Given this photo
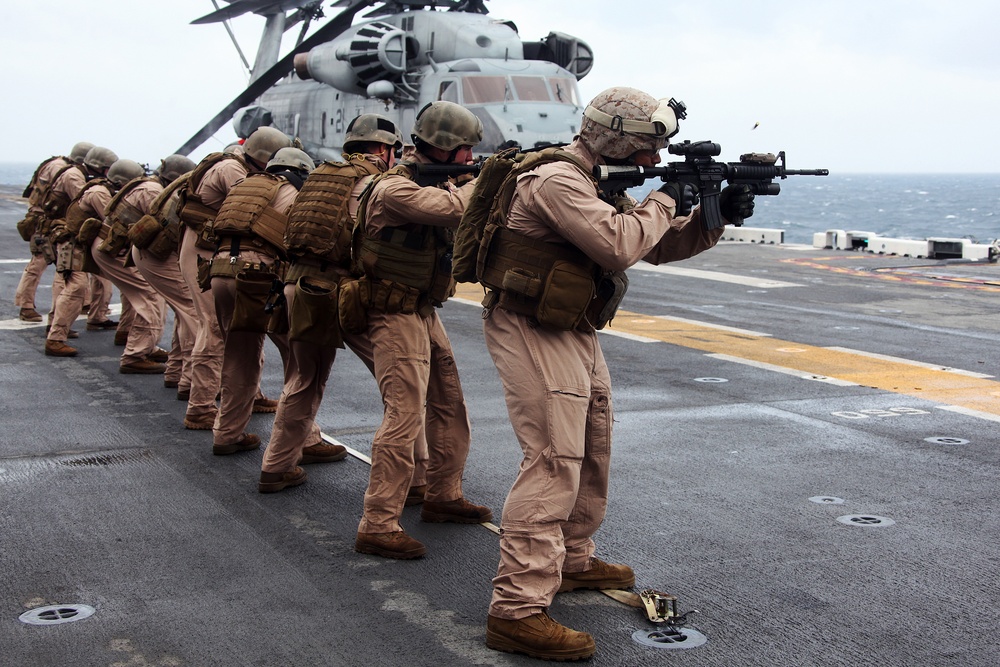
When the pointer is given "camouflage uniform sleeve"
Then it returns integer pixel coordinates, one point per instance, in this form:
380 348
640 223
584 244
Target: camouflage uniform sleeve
95 201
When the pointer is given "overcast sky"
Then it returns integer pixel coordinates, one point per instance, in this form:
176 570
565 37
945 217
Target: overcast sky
876 86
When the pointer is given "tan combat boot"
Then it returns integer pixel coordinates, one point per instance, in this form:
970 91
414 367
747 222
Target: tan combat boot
29 315
459 510
272 482
389 545
264 405
141 367
202 422
322 453
539 637
246 442
599 576
57 348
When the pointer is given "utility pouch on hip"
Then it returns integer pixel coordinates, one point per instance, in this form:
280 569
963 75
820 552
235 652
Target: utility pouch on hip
142 233
206 239
116 242
611 288
27 226
277 319
315 315
566 295
64 256
204 273
41 245
353 300
252 290
166 242
89 231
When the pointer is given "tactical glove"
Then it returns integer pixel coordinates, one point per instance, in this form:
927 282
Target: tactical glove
684 194
736 203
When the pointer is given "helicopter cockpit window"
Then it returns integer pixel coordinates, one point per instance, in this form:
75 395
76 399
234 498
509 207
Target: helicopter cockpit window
530 88
564 90
484 89
448 91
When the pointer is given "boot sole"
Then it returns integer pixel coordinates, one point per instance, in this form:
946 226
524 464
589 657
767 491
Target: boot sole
499 642
195 426
274 487
595 586
224 450
135 371
386 553
323 459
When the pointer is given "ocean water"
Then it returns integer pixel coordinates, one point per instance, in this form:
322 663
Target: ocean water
904 206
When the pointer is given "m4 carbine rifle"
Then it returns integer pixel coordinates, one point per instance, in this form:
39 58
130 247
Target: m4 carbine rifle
432 174
705 176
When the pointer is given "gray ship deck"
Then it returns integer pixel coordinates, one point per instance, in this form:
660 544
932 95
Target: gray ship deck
755 416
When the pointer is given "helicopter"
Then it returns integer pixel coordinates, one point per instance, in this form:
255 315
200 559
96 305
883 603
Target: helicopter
404 55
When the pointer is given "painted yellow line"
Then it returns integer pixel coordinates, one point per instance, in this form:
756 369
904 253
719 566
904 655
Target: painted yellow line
952 388
899 377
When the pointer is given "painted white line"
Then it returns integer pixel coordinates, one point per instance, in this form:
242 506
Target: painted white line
783 369
910 362
969 412
467 302
13 261
350 450
713 275
629 336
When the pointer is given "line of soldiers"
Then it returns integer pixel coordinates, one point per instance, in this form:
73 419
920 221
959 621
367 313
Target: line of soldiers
258 241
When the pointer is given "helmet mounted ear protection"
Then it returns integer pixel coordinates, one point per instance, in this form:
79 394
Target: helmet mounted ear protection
663 122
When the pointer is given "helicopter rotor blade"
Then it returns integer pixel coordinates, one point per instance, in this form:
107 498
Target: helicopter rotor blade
334 27
240 7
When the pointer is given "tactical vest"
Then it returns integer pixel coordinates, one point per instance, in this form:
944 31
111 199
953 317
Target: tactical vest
55 203
33 193
159 232
248 215
319 222
194 213
556 284
119 217
75 215
416 258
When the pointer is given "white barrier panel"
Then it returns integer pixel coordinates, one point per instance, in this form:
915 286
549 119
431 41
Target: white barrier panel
841 239
754 235
903 247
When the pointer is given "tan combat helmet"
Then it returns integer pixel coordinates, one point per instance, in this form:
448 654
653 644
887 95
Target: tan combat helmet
123 171
264 143
371 128
174 166
79 151
100 158
620 121
291 158
447 126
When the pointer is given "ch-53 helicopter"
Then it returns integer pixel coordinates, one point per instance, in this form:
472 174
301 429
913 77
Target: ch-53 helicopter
406 54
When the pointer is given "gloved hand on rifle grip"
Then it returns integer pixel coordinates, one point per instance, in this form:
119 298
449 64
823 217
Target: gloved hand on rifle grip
736 203
684 194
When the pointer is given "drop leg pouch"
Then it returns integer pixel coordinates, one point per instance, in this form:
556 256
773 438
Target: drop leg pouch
315 317
252 290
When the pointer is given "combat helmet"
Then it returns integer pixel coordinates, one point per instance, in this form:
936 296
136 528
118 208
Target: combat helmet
174 166
291 158
79 151
100 158
447 126
620 121
371 128
264 143
123 171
